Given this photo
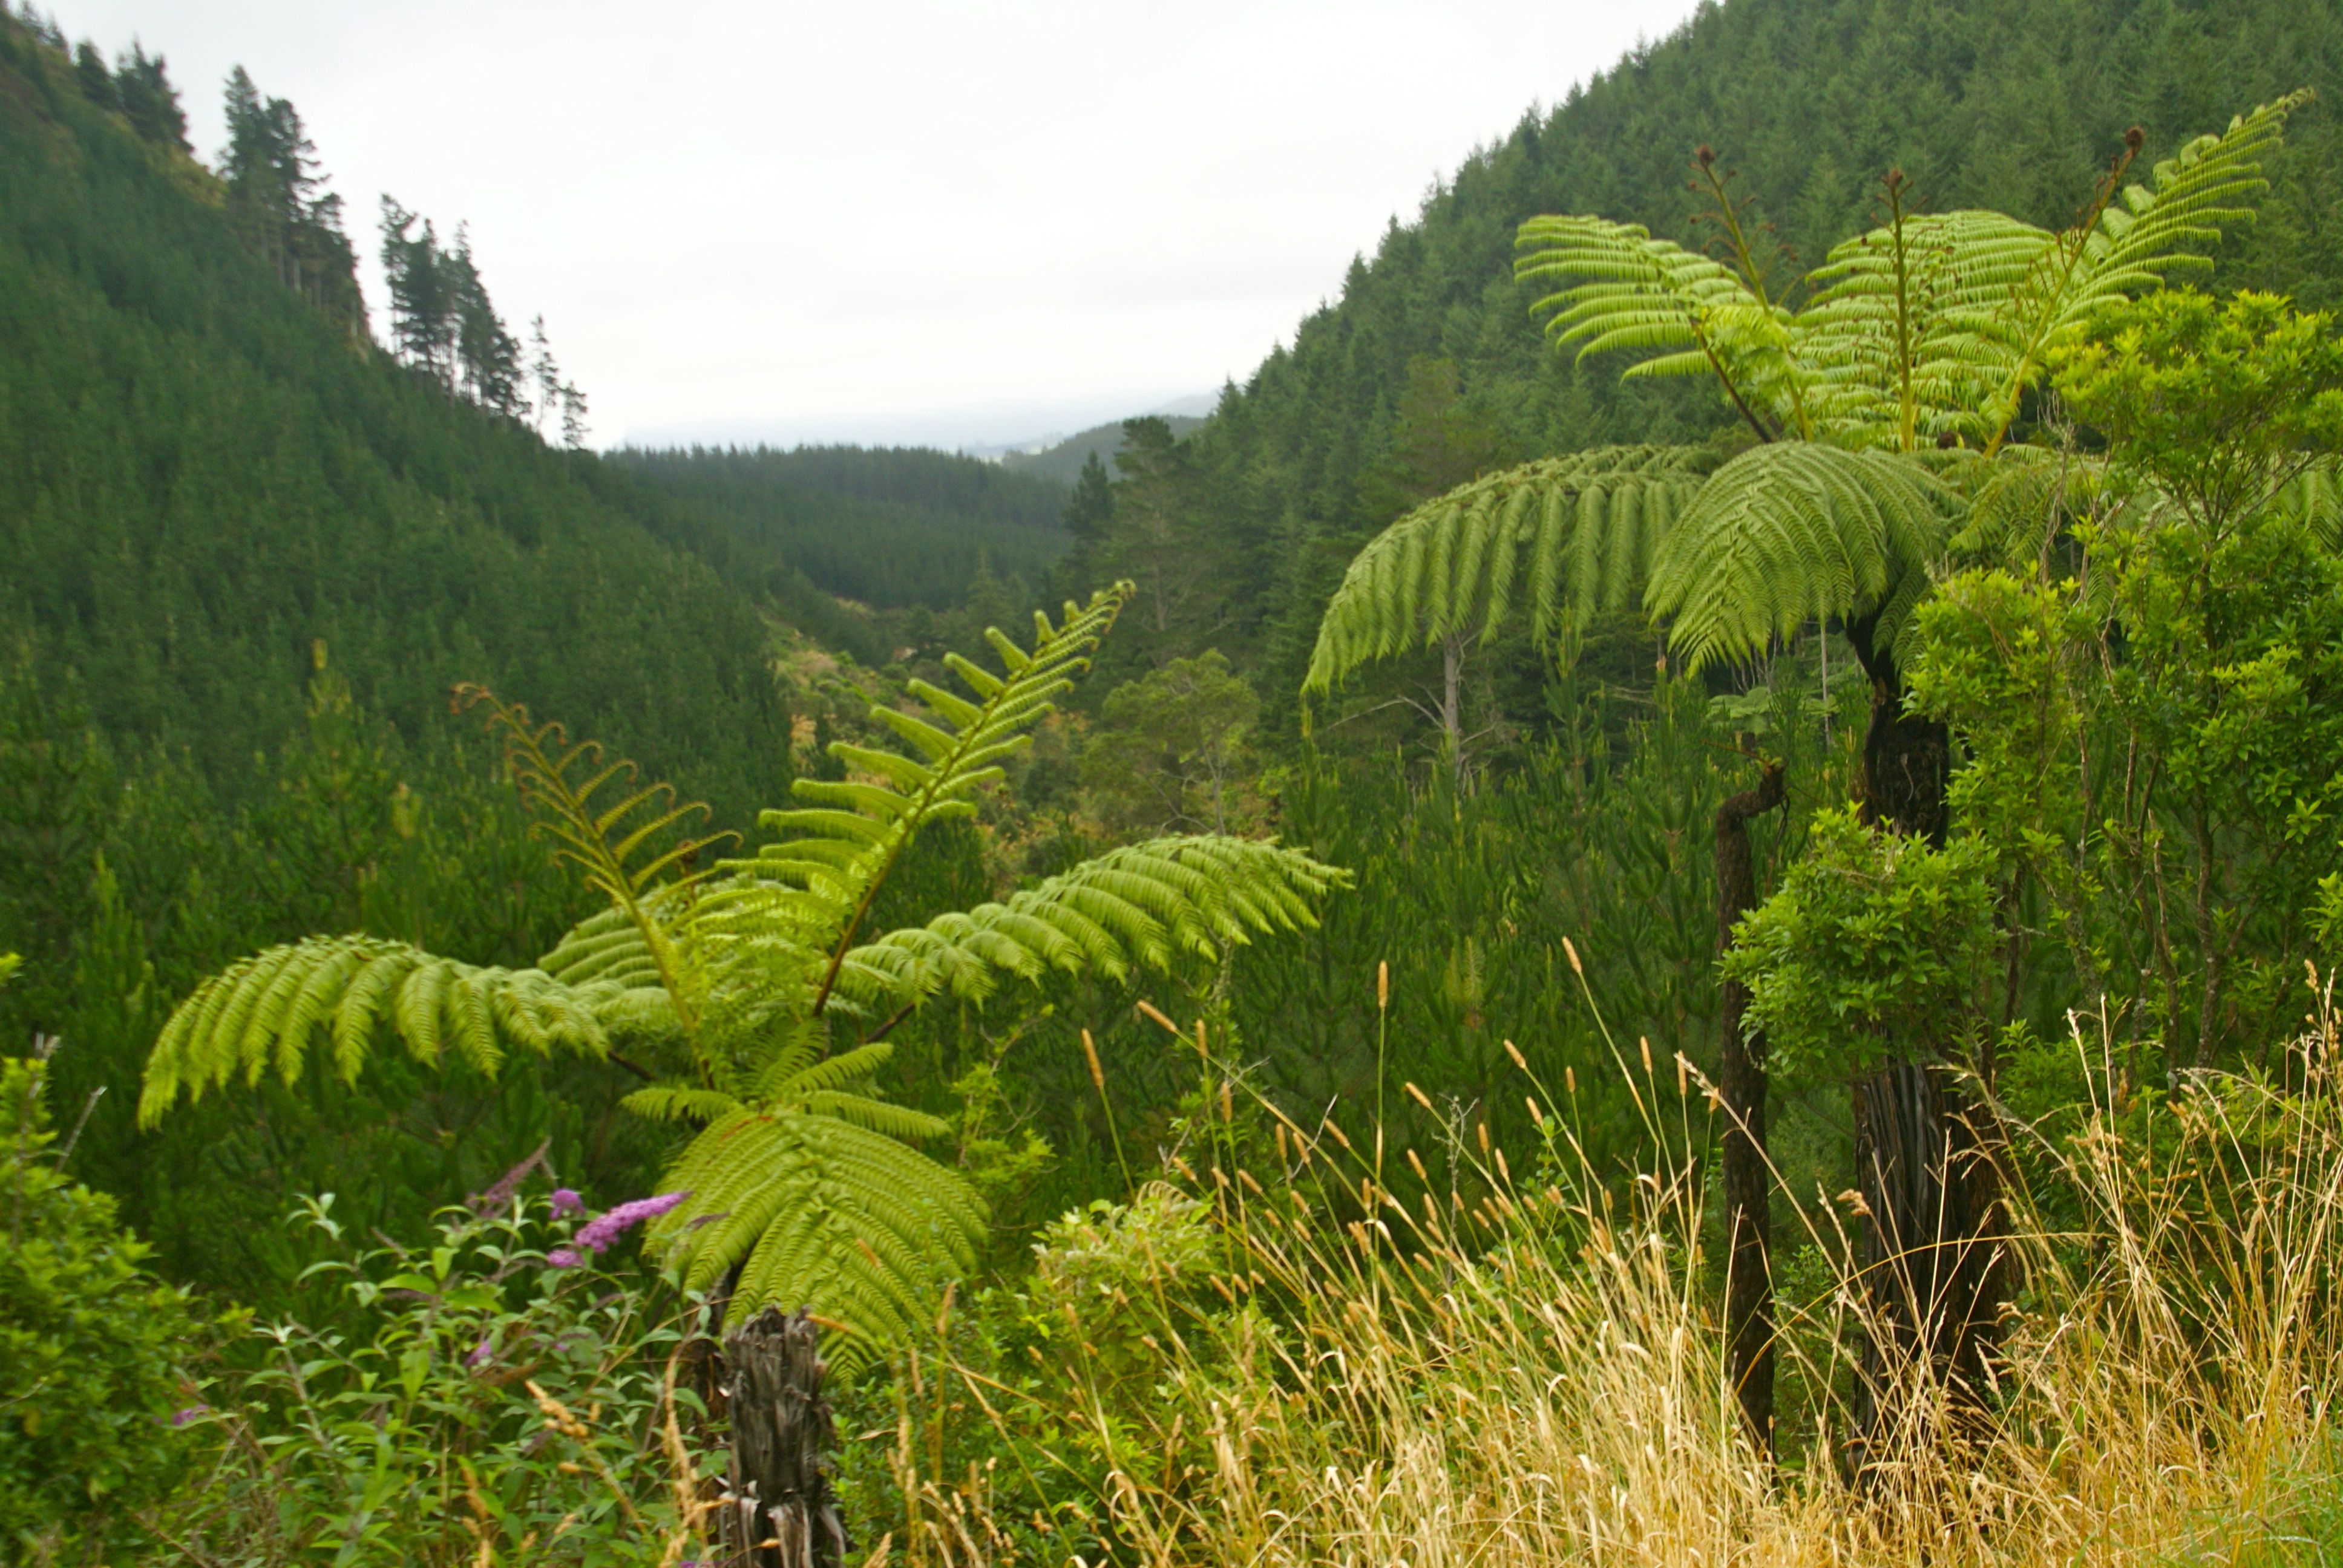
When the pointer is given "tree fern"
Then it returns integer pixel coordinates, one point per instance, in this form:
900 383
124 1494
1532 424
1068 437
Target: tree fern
801 1177
1927 331
1583 527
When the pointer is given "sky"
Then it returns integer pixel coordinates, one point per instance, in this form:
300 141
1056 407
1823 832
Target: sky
890 221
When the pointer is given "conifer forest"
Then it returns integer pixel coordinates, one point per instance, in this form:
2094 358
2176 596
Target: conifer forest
1671 896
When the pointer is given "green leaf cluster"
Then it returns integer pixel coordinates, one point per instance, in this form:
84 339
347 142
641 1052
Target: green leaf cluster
1872 950
91 1351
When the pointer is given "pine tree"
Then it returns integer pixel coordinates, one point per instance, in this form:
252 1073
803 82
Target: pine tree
487 356
97 81
422 294
149 101
544 373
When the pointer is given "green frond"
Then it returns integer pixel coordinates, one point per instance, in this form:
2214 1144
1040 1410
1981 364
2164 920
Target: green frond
1583 528
630 840
679 1102
1681 313
839 848
1136 907
822 1211
268 1010
2315 497
1786 533
2136 238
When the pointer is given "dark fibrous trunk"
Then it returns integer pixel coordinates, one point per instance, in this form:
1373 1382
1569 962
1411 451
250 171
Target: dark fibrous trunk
1931 1259
1748 1180
780 1510
1905 762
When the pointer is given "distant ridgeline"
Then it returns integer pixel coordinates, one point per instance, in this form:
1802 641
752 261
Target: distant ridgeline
207 467
2014 107
887 526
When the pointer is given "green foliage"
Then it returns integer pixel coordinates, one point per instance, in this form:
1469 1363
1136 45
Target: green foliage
268 1009
1582 528
2222 404
806 1187
1929 326
2156 742
1174 748
1872 950
90 1348
1797 531
484 1404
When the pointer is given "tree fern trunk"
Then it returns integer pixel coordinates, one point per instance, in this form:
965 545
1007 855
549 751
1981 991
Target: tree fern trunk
1905 761
1748 1182
780 1510
1930 1259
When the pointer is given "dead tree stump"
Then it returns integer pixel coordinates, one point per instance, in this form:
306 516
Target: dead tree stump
781 1511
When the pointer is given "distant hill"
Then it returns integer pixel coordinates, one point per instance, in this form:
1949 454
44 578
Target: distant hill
887 526
203 474
1062 464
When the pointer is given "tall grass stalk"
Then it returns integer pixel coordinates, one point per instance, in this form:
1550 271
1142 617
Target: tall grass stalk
1528 1368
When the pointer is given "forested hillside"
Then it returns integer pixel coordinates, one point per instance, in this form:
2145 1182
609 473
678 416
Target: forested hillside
202 476
2017 108
890 528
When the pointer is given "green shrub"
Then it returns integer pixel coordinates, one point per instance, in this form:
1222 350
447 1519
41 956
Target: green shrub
89 1348
513 1402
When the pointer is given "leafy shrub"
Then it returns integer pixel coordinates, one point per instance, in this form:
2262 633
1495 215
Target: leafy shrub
89 1342
1870 947
512 1403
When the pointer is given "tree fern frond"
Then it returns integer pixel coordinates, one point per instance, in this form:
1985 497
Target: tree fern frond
844 844
2315 497
268 1010
1137 906
679 1102
2131 241
629 840
1786 533
1681 312
822 1212
1584 526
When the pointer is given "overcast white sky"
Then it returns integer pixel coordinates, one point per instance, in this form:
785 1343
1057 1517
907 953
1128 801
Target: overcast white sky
890 221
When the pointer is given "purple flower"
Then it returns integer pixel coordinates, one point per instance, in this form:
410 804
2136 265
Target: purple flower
566 1203
604 1229
182 1416
479 1356
564 1258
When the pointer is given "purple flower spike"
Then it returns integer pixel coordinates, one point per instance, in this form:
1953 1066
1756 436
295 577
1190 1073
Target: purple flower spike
564 1258
479 1356
566 1203
604 1229
182 1416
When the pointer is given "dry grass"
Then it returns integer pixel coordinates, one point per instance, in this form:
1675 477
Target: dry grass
1536 1375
